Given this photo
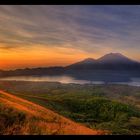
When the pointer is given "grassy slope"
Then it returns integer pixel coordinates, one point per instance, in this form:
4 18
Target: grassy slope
112 107
19 116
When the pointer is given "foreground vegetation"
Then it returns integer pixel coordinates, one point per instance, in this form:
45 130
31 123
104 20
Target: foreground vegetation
19 116
10 120
108 107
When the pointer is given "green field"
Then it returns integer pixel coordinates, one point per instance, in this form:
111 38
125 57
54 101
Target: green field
108 107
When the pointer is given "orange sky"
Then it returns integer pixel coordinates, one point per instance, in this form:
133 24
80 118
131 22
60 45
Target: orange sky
40 56
46 35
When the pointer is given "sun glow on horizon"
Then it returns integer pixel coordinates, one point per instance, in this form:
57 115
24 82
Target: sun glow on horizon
40 56
51 35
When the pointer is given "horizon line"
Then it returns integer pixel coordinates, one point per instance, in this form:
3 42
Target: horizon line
35 67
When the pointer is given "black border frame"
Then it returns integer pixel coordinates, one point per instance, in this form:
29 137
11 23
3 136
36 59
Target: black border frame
70 2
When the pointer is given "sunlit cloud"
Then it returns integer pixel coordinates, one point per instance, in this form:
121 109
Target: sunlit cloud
68 33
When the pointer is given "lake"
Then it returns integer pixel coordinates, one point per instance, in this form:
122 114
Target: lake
133 81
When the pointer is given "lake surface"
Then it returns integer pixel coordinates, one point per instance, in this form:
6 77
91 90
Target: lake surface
133 81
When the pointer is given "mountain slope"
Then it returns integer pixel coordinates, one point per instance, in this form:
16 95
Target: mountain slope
111 61
37 119
86 63
115 58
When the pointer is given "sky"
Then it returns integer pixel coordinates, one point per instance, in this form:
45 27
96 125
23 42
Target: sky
59 35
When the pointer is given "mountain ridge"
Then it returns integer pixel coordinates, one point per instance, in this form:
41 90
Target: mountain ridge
110 61
108 56
115 57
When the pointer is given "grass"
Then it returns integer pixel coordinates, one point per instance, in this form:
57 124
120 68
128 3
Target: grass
115 108
19 116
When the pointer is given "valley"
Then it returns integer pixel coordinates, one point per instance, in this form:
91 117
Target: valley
111 108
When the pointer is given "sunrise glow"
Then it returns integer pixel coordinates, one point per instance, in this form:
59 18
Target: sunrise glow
42 36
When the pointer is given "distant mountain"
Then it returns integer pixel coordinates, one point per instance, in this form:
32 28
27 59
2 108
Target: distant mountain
86 63
33 71
1 73
115 58
113 61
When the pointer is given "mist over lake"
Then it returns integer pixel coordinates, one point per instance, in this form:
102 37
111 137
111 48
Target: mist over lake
94 78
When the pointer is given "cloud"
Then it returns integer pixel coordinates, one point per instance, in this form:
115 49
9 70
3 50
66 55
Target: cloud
88 28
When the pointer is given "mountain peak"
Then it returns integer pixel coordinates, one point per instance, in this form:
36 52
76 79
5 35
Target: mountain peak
108 61
114 54
113 58
83 63
88 60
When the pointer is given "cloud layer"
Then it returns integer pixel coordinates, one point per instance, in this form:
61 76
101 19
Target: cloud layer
91 29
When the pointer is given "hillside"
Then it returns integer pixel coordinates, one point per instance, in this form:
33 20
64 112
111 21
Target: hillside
115 58
115 108
19 116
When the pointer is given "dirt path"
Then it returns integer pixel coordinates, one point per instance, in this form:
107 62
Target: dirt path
67 126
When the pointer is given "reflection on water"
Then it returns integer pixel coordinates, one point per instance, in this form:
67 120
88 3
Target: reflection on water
62 79
133 82
70 79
